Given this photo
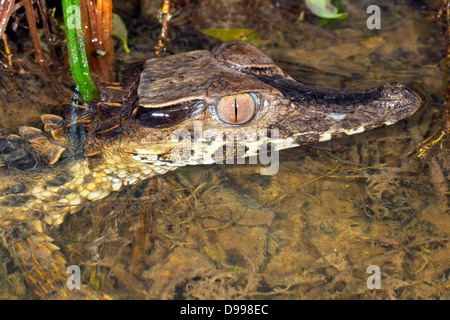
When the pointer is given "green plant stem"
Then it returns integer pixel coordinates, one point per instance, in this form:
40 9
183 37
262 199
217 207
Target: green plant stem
77 52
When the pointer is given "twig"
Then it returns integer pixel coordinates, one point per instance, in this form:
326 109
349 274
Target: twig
5 13
165 14
97 28
37 45
48 36
10 64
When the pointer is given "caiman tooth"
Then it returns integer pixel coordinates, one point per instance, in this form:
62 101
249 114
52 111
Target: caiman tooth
48 151
52 122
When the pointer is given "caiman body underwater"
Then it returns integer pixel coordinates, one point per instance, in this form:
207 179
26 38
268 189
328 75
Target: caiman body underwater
127 136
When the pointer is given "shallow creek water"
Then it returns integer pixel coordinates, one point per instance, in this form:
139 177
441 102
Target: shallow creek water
308 232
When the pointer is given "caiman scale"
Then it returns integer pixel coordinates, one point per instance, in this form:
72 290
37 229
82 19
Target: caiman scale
127 136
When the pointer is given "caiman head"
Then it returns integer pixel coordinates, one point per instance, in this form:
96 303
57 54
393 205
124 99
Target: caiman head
237 91
203 106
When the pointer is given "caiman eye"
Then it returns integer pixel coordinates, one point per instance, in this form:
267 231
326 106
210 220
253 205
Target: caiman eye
237 108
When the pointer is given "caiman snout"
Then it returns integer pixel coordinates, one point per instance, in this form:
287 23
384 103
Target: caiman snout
397 101
320 113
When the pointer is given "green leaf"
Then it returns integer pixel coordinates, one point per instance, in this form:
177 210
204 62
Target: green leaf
225 35
325 9
119 30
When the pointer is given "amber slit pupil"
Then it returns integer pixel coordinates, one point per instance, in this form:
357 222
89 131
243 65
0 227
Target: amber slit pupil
236 109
